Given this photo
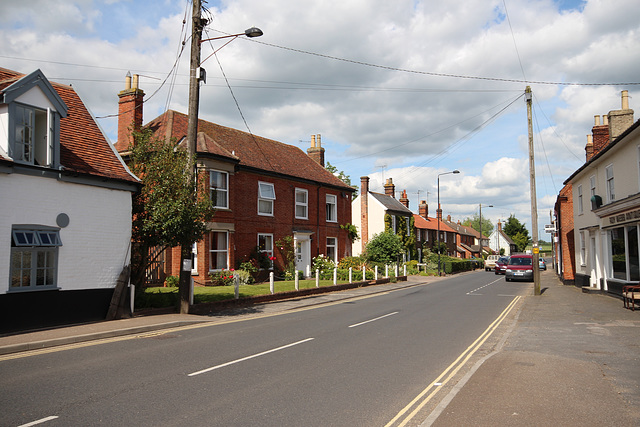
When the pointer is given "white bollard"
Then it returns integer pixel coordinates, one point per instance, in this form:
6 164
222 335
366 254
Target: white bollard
271 283
364 275
396 270
386 271
297 280
191 290
317 278
308 271
350 274
405 270
376 272
335 276
133 297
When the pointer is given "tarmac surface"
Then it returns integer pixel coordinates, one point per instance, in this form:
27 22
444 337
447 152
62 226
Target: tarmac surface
567 358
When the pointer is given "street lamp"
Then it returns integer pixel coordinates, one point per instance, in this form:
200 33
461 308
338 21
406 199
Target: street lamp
439 214
480 206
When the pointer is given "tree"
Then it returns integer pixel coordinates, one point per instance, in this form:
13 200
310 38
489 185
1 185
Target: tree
512 227
517 232
384 248
171 208
474 222
342 176
521 241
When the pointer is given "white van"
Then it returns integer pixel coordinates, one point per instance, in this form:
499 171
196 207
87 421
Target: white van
490 262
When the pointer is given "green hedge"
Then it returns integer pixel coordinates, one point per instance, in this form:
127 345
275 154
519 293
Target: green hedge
457 266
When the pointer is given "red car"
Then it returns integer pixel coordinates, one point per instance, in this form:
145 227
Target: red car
501 264
520 267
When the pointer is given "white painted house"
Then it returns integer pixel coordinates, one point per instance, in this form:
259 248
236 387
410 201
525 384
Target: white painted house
65 221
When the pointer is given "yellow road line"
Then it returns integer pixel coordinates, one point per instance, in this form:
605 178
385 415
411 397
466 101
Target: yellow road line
438 383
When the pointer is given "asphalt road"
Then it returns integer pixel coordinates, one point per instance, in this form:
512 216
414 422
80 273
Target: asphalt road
356 363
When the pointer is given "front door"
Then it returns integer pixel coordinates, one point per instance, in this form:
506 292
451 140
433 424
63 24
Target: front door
303 252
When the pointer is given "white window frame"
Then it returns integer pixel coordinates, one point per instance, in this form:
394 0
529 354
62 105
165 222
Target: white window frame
301 208
39 148
221 193
418 235
266 198
609 179
583 249
334 245
34 251
268 247
592 185
580 205
218 251
331 210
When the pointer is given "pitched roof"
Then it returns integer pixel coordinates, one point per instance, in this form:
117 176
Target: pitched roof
83 147
430 224
249 151
391 204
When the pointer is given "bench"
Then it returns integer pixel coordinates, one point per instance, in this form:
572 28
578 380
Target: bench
631 296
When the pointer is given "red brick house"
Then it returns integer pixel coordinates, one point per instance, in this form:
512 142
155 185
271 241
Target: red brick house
263 190
427 231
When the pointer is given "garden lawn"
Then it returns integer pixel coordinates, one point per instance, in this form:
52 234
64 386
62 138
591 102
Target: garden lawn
166 297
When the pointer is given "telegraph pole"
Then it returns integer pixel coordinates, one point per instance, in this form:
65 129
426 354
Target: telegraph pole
197 24
534 202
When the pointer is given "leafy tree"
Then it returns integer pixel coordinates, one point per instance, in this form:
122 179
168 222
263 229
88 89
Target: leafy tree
384 248
512 227
343 177
171 208
521 241
474 222
439 248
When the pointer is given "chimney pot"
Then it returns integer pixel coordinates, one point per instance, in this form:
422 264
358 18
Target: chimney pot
625 99
313 141
596 120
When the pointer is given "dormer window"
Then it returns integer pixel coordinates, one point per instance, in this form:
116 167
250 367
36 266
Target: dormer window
30 113
33 135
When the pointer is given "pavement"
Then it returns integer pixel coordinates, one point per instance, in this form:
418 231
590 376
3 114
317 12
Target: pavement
566 358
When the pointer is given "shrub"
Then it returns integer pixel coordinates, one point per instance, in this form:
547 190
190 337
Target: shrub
355 262
384 247
172 281
323 264
221 278
245 277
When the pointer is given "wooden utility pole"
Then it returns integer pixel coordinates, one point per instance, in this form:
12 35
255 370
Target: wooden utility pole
197 24
534 200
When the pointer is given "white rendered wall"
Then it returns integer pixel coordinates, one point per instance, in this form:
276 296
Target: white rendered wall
95 244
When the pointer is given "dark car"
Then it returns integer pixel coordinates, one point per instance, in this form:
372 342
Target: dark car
520 267
501 264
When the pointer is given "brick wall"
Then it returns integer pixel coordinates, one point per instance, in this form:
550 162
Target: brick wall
564 209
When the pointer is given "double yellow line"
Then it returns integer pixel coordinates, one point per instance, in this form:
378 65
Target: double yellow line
404 416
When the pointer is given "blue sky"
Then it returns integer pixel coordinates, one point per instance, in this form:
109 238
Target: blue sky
404 90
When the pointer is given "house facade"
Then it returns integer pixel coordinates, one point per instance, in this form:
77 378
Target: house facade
563 237
500 243
427 232
606 204
263 190
467 239
370 209
66 206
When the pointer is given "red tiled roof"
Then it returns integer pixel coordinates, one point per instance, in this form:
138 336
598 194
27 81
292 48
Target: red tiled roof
430 224
83 147
248 150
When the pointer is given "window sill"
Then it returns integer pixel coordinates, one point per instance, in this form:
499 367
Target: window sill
32 289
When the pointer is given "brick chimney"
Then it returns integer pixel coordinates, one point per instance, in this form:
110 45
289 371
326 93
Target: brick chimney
620 120
316 151
439 213
389 188
499 226
449 218
423 209
600 134
129 112
404 199
364 210
589 147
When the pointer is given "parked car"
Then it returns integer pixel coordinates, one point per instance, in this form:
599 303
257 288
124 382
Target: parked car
490 262
520 267
542 264
501 264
